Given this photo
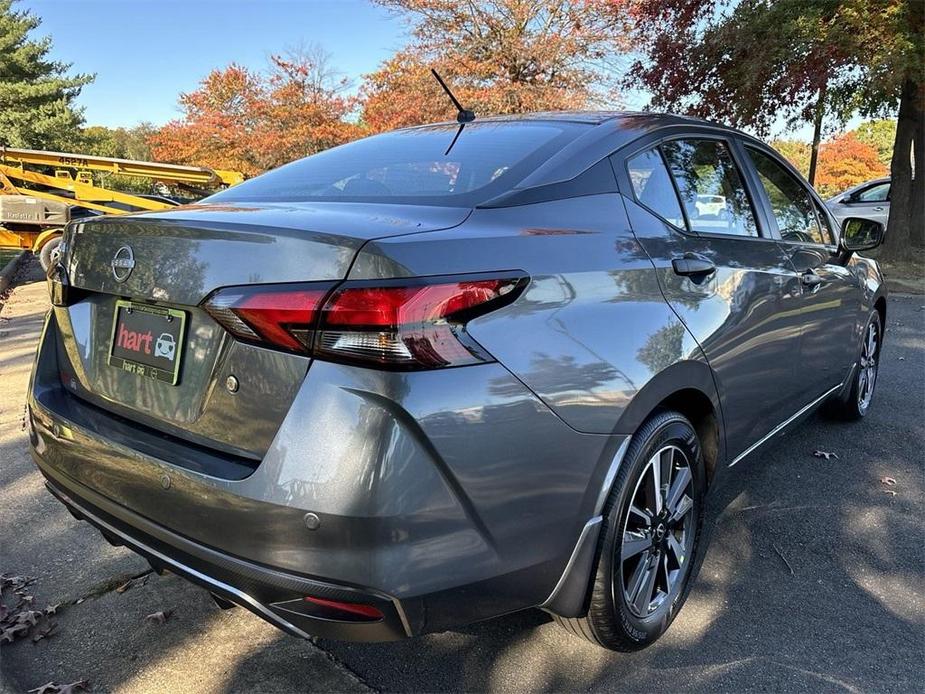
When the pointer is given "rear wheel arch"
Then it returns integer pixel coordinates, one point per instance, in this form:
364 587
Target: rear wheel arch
686 387
700 411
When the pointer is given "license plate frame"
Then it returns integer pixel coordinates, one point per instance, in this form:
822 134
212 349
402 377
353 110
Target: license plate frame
148 314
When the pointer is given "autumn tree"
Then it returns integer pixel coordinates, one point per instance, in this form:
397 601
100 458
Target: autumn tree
499 56
218 125
845 161
305 109
37 96
751 62
252 121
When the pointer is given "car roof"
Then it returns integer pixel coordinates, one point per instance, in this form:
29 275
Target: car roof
629 120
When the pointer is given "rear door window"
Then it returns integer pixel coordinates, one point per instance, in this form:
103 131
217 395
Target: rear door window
790 200
711 189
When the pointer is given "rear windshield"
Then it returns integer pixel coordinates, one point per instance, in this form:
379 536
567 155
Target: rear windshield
421 166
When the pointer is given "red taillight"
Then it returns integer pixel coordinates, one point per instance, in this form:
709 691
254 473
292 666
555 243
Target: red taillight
408 324
351 610
391 307
279 315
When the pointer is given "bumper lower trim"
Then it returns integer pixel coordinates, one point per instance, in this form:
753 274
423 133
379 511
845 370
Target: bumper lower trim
213 584
271 589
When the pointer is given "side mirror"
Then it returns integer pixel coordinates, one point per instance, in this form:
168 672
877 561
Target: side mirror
845 200
858 234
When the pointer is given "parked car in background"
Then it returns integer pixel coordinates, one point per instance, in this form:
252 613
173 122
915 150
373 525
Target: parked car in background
870 200
449 372
710 205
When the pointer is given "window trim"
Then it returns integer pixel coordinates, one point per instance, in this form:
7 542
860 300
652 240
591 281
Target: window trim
724 138
822 212
766 202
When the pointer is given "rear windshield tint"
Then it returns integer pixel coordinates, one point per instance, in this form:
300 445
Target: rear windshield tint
422 166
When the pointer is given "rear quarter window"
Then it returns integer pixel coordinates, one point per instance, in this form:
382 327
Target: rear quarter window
653 188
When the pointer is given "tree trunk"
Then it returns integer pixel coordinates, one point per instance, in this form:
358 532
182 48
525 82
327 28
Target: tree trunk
906 226
817 135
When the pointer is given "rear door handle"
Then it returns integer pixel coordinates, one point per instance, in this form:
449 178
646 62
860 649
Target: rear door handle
693 265
810 278
878 209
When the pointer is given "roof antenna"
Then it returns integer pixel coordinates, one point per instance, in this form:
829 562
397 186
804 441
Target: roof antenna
462 115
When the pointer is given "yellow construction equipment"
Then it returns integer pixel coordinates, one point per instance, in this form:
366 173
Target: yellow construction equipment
35 205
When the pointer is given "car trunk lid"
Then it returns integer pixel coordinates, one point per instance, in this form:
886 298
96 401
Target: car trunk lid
228 395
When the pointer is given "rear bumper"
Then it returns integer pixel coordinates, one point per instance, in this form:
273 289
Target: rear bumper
443 498
277 597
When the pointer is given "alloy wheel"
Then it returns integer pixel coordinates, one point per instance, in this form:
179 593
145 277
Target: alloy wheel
658 533
867 377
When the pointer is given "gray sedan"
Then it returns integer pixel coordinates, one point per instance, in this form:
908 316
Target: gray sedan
445 373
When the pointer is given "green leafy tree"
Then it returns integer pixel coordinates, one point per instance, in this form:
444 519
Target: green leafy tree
879 134
120 143
36 94
796 152
750 62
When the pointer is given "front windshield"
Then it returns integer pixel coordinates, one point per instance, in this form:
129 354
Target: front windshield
420 166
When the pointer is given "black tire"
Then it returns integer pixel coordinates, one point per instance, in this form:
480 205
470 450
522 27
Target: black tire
48 252
856 402
612 621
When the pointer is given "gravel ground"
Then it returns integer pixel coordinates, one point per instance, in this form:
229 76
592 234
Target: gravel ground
813 579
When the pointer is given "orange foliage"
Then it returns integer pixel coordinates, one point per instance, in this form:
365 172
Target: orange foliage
845 161
249 121
506 56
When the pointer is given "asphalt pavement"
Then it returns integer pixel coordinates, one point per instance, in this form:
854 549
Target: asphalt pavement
813 579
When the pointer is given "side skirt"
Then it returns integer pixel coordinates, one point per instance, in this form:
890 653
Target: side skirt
783 425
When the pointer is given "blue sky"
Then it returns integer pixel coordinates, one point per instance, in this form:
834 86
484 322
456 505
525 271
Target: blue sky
146 52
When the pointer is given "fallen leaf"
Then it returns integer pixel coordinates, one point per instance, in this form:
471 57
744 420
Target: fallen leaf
902 359
888 481
45 632
52 609
47 688
890 492
13 632
73 687
78 601
29 616
159 617
124 587
825 454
